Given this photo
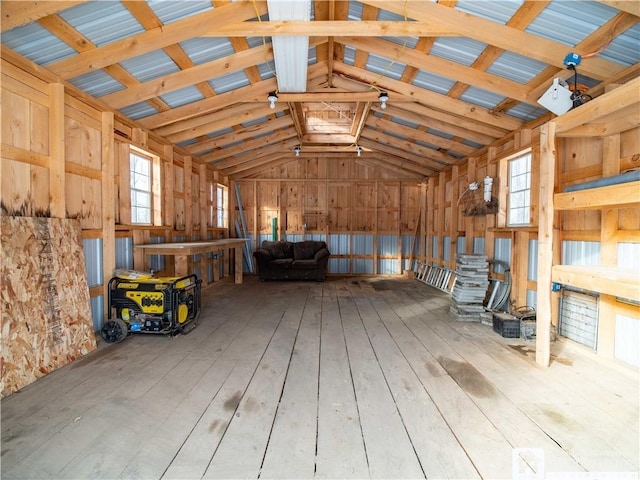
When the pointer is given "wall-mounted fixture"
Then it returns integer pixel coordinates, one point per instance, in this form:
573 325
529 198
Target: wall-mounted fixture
297 151
383 98
359 150
557 98
488 184
272 98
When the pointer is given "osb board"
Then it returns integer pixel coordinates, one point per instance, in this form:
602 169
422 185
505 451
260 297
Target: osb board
46 311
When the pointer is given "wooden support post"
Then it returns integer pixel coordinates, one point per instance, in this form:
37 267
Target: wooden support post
490 222
442 182
108 206
205 261
57 155
468 220
124 182
188 198
545 243
519 267
375 230
608 249
168 183
431 230
453 205
423 227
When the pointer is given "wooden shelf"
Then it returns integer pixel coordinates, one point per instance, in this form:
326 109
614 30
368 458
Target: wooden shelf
621 195
609 280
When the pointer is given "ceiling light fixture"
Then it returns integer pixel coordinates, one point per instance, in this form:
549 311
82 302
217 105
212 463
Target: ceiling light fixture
272 98
359 150
383 98
297 150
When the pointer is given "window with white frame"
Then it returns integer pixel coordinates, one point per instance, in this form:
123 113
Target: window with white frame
211 208
141 188
519 199
221 206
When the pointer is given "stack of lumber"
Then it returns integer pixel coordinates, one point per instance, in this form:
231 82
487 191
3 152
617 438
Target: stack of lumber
472 273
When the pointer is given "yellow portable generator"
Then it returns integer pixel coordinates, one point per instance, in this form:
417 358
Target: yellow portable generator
143 303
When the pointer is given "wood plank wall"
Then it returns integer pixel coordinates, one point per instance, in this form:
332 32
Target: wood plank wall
324 196
66 155
584 159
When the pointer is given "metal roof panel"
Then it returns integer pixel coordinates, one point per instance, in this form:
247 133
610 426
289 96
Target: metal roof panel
526 111
570 22
151 65
481 97
458 49
37 44
625 48
172 11
432 82
97 83
102 22
229 82
516 67
139 110
183 96
207 49
498 11
385 66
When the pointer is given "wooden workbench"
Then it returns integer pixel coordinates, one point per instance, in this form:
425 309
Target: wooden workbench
183 253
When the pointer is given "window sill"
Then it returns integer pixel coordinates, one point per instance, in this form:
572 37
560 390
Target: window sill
524 228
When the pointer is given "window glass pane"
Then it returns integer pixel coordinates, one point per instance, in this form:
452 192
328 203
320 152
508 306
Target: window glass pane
516 200
519 197
518 183
140 183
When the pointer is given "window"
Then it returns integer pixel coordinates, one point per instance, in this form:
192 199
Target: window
221 206
211 205
519 199
141 193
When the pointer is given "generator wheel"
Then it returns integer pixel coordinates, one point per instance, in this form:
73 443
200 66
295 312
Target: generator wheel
114 331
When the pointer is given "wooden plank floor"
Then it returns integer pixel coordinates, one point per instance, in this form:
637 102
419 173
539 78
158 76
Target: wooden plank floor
350 378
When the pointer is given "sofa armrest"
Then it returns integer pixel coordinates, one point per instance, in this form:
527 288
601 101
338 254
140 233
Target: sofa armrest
262 256
321 254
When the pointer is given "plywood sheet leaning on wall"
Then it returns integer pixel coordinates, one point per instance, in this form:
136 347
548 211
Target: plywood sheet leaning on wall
46 311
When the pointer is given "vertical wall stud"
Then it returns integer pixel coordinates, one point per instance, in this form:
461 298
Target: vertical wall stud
57 151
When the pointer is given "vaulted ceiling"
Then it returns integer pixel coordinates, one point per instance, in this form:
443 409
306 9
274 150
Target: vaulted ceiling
459 74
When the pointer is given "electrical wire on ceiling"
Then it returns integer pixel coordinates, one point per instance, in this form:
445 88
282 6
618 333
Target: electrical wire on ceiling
611 37
372 84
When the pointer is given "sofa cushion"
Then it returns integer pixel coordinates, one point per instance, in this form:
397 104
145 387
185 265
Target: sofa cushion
306 250
304 265
281 263
281 249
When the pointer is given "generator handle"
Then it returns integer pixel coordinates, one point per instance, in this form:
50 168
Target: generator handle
109 290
